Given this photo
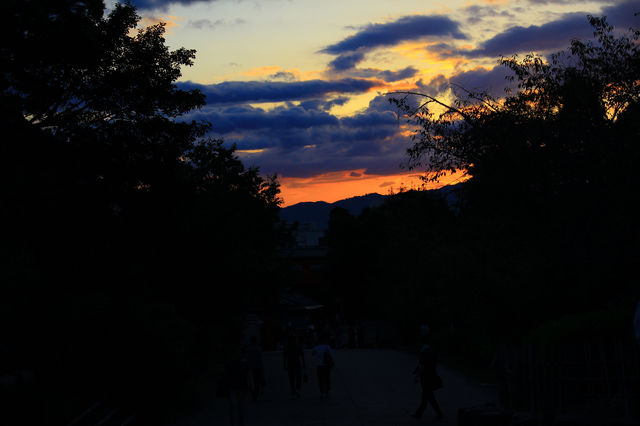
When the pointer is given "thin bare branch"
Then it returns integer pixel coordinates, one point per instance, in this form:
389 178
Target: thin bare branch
467 117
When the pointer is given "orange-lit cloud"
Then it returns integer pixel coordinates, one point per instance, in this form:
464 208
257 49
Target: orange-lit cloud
334 186
169 22
436 58
394 87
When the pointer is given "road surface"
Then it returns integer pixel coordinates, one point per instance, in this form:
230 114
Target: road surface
369 387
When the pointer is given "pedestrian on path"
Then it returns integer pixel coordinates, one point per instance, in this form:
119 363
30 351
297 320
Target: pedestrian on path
294 364
324 364
256 367
234 384
429 379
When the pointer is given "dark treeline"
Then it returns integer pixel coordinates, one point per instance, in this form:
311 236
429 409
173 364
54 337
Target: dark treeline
544 240
131 244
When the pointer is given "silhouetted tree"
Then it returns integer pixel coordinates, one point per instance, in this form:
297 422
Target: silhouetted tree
553 131
548 227
131 243
376 259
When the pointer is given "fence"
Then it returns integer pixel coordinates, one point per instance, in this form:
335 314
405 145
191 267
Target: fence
598 379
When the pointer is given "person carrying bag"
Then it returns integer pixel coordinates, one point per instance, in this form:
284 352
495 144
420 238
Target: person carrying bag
429 380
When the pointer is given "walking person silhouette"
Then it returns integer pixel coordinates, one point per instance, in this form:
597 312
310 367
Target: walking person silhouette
324 364
234 384
429 379
256 366
294 364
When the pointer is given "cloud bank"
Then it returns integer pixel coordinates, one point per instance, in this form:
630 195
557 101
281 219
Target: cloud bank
392 33
304 139
234 92
551 36
491 81
351 50
164 4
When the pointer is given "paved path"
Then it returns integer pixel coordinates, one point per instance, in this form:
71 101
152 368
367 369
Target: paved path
369 387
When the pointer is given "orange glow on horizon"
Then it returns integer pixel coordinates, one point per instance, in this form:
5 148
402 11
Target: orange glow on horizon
334 186
394 87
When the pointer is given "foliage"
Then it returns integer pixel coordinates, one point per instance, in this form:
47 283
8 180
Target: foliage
128 237
547 227
564 125
385 245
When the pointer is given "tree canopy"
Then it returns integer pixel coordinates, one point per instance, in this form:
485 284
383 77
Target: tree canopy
545 230
132 243
567 121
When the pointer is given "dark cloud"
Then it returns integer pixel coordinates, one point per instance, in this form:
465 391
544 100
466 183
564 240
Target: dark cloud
392 76
385 75
371 119
305 139
444 49
283 75
352 49
554 35
492 81
247 118
346 61
164 4
322 104
622 15
331 157
234 92
549 36
437 85
392 33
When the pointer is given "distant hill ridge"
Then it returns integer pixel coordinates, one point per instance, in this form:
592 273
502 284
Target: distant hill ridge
317 212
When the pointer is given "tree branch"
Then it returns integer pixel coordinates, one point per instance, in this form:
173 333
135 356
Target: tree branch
466 117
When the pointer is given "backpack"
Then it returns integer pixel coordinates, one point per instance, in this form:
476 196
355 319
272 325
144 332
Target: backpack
328 359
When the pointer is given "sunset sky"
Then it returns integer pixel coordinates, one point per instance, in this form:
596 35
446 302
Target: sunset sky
300 86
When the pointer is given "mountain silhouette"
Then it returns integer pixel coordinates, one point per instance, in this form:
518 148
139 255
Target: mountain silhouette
317 213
